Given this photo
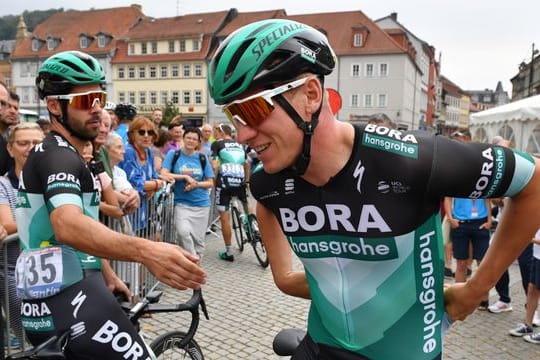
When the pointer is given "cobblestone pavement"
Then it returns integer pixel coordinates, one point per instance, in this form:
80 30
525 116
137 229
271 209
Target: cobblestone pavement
246 311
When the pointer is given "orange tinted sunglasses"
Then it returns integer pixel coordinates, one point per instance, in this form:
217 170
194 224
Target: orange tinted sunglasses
84 101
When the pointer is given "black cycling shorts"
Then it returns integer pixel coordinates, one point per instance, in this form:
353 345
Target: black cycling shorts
99 327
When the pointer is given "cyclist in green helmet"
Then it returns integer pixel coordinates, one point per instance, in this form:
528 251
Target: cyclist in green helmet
62 279
359 205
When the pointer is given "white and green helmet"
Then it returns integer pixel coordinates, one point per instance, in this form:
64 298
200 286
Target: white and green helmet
266 53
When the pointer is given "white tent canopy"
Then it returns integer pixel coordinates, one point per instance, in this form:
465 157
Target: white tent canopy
521 110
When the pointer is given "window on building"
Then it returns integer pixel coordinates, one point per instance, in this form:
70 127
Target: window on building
144 49
102 40
142 97
131 72
186 97
383 69
182 44
358 40
142 72
369 70
186 70
52 43
354 100
154 47
355 70
131 50
381 101
153 72
174 70
175 97
131 95
198 70
197 94
164 97
36 44
164 70
84 41
121 72
25 97
121 97
171 46
196 45
368 100
153 97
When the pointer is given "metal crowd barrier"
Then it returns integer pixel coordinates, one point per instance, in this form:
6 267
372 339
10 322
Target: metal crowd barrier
154 221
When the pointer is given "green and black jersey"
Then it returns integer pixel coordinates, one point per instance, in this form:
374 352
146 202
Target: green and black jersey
370 239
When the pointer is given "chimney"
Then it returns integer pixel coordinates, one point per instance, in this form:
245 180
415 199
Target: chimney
393 16
137 6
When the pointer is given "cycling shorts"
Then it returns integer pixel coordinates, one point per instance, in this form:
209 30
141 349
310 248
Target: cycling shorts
224 196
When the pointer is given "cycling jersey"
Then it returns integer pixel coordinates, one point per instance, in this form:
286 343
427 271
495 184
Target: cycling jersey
61 287
232 157
370 239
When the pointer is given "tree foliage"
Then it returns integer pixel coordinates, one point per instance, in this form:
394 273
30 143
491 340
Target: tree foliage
8 23
169 112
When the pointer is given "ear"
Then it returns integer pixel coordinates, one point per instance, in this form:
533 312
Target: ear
9 148
314 93
54 107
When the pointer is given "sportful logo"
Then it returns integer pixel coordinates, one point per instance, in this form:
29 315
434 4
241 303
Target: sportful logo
289 186
394 141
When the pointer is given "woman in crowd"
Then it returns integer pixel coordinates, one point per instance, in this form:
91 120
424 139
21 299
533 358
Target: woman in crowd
21 141
193 176
176 134
138 164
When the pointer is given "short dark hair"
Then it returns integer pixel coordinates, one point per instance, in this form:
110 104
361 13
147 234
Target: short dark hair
193 130
14 96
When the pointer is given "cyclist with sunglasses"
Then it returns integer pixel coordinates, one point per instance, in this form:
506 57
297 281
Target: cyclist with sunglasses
359 205
62 277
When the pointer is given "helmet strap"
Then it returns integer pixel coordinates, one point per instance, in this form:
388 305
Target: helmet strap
63 119
302 161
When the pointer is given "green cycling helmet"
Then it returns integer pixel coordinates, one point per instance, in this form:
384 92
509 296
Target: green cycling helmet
267 53
60 72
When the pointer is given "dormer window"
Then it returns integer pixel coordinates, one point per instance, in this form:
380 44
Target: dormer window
36 44
103 39
360 36
52 43
84 41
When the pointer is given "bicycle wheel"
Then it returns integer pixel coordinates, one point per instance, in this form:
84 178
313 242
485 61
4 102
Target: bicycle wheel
256 241
166 347
238 227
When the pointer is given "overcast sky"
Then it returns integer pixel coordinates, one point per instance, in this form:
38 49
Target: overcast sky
481 41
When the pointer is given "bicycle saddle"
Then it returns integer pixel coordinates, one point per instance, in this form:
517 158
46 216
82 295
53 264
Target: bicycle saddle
52 349
287 340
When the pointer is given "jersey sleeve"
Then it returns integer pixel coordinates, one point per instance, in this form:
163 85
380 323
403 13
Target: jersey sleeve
478 170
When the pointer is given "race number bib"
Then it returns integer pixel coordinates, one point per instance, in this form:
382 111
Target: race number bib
41 273
232 174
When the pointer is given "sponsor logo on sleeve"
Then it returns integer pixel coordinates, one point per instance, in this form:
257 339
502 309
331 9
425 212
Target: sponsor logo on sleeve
390 140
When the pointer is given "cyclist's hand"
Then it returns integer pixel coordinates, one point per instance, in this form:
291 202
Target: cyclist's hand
174 266
460 301
113 282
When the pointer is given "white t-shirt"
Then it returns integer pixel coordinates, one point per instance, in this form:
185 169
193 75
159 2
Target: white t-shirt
120 181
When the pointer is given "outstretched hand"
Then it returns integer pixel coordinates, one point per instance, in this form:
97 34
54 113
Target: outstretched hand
174 266
459 301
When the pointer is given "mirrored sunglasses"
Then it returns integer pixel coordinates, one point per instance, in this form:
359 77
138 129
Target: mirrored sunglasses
84 101
254 109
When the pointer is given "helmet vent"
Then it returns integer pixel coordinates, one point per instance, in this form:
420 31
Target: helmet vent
236 58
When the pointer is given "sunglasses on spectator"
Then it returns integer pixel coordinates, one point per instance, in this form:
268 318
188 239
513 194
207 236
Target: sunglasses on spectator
84 101
143 132
254 109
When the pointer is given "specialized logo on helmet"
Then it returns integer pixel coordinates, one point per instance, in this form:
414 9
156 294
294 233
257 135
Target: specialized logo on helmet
274 36
55 67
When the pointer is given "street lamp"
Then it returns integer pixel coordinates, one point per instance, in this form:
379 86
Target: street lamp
531 72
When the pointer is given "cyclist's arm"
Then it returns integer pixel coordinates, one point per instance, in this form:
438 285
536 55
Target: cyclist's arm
291 282
517 227
169 263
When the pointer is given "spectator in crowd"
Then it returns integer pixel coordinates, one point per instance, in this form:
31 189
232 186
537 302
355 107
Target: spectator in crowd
5 160
229 162
128 197
100 153
21 141
157 117
125 114
110 107
45 126
12 111
382 120
533 293
159 145
139 166
193 176
176 132
206 131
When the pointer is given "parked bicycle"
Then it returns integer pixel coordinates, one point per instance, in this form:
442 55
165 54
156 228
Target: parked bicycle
246 230
171 345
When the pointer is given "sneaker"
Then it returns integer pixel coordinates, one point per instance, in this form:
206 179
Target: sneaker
224 256
533 338
483 305
521 330
536 319
448 272
499 307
